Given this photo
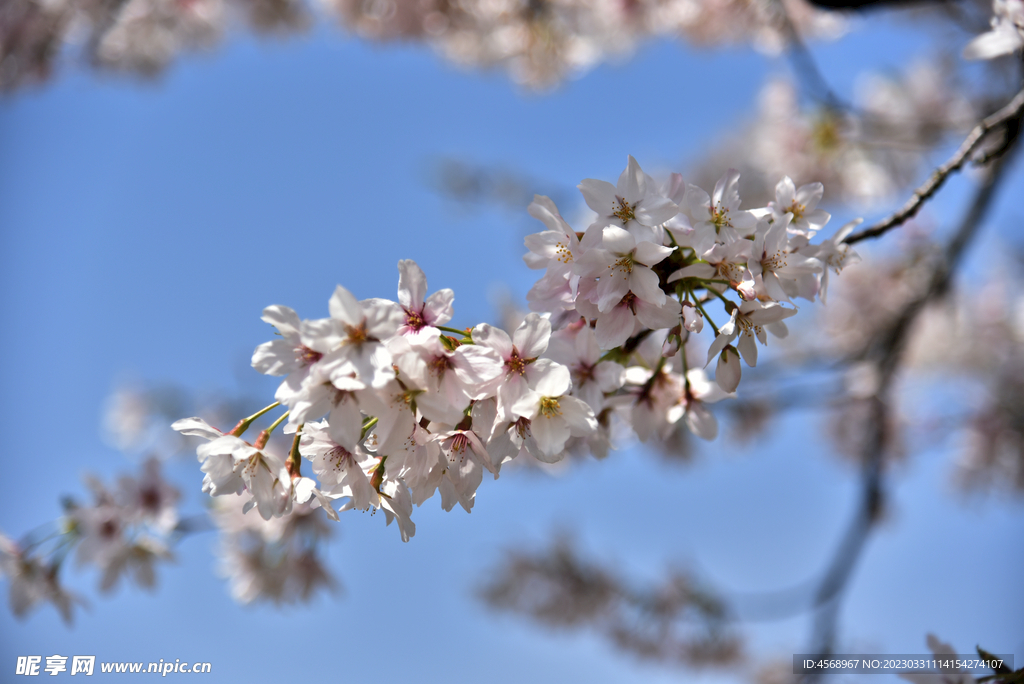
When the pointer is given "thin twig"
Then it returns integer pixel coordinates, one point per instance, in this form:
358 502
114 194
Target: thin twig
886 354
803 61
1011 112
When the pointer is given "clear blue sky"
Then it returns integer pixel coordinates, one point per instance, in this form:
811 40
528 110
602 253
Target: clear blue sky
144 226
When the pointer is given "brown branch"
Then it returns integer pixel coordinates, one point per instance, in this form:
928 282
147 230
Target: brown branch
886 353
1006 116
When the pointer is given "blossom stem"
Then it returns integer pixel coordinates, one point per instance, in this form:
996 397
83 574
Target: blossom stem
367 426
294 459
444 328
261 441
720 296
244 424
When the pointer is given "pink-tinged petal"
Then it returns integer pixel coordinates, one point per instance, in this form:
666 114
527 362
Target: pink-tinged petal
510 393
743 221
612 287
527 405
728 371
544 246
644 284
302 489
779 329
345 307
817 218
648 253
1002 40
632 183
551 434
773 287
587 308
196 427
495 338
703 271
383 317
616 240
680 228
609 375
283 318
748 349
703 238
719 344
412 285
549 378
531 338
698 202
481 452
578 415
476 365
438 308
701 422
439 408
322 501
658 317
785 193
275 358
655 210
675 188
594 263
598 195
768 314
693 320
591 238
809 195
615 327
586 347
533 260
543 209
845 230
345 423
727 191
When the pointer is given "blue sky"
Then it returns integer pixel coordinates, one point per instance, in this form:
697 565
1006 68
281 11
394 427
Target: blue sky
144 226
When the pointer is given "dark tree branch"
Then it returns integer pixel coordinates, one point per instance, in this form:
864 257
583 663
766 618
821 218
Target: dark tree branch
886 353
1009 116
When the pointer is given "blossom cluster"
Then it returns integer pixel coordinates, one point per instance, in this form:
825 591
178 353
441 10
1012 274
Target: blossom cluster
124 533
276 560
389 405
542 43
539 42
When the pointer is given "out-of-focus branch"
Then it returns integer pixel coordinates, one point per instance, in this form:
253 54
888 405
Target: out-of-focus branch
885 353
804 65
1009 116
674 620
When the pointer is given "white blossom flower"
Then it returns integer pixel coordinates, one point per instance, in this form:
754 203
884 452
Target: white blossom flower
782 274
834 254
632 204
419 312
801 204
150 498
718 218
621 264
697 392
576 348
341 472
750 320
521 366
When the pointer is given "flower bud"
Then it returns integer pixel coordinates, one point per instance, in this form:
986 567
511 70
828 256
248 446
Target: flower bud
692 318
